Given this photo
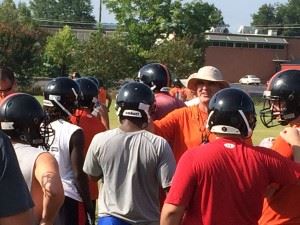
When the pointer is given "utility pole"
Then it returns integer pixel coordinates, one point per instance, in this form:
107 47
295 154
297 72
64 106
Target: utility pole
100 11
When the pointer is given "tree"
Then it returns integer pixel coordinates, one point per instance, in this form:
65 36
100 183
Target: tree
20 41
146 21
194 18
266 16
75 11
179 55
107 58
284 17
61 49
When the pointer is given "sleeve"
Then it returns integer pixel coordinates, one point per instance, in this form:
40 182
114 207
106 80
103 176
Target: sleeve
14 191
167 126
282 170
91 164
183 182
167 165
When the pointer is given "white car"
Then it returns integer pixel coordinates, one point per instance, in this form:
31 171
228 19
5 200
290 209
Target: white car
250 79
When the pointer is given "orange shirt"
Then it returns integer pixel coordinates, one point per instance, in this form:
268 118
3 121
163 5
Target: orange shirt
102 96
90 126
183 128
283 207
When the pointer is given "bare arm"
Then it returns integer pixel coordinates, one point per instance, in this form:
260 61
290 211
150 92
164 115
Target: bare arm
171 214
292 136
24 218
47 174
77 159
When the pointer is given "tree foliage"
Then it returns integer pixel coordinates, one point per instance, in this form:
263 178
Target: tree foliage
20 41
61 49
284 16
178 55
79 11
146 21
107 58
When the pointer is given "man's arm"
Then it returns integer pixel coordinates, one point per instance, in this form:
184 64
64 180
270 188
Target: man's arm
77 159
47 174
171 214
292 136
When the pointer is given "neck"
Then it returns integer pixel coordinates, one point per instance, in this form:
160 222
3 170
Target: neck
128 126
203 107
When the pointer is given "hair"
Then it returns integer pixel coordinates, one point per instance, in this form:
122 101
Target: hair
7 74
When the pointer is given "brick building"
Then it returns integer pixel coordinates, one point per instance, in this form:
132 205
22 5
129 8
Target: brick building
239 54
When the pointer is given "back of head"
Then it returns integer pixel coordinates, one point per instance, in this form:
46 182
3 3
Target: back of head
61 97
284 91
232 112
95 80
155 75
23 119
135 101
88 92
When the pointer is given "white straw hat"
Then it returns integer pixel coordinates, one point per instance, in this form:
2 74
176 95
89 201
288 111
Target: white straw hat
208 73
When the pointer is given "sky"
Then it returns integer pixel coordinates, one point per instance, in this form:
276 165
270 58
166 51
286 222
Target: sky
235 12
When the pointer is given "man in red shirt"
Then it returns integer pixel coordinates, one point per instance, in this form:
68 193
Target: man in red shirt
223 182
158 78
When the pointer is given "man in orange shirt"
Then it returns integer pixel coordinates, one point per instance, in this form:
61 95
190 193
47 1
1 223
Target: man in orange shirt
90 124
186 127
282 107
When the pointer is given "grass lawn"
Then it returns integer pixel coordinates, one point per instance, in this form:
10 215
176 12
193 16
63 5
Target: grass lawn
260 131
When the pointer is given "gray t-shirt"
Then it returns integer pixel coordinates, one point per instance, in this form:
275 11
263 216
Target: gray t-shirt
133 166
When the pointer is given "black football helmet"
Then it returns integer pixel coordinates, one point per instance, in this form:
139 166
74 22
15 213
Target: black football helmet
155 75
61 93
231 111
95 80
22 118
177 83
281 99
136 100
88 92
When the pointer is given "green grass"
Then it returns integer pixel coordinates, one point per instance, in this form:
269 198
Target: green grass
259 133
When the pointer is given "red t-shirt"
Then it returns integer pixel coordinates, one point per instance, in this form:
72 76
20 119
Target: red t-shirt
165 103
223 182
90 126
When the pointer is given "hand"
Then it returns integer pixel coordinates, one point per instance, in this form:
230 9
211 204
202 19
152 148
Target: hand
291 135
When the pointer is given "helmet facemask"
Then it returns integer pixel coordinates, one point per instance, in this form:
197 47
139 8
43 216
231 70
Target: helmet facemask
278 110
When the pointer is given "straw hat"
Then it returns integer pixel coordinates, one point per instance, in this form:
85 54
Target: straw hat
207 73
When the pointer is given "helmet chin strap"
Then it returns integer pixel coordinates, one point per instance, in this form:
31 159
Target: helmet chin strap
62 107
249 133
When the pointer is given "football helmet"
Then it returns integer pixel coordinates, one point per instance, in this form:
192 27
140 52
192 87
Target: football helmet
95 80
22 118
61 93
177 83
88 92
155 75
281 99
231 111
136 100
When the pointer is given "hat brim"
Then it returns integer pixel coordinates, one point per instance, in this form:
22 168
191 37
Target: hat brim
192 83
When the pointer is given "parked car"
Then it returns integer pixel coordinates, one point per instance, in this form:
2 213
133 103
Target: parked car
250 79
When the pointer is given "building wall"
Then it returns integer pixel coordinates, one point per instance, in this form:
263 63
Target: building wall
237 62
